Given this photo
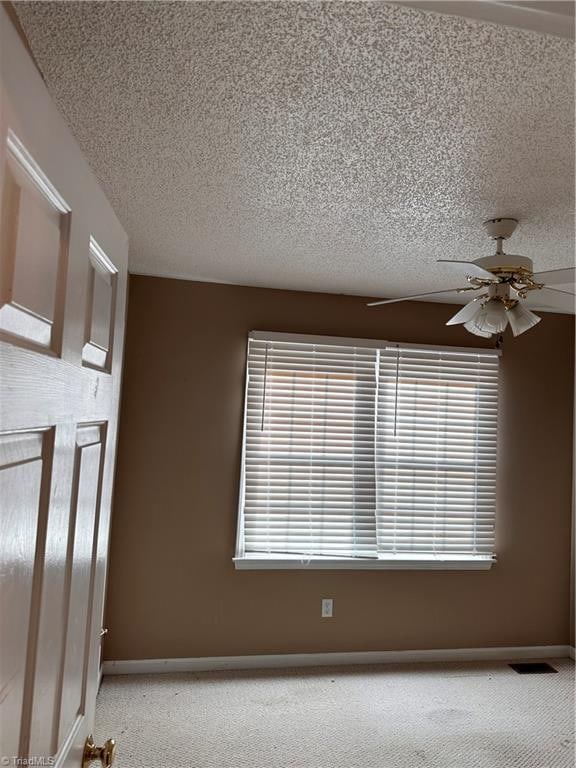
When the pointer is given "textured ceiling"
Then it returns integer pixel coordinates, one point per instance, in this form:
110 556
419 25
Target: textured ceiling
338 146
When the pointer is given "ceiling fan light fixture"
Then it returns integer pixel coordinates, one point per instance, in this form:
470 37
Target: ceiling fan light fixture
521 319
486 321
467 313
473 328
504 280
496 317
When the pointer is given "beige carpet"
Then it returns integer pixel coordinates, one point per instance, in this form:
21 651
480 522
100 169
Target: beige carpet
434 716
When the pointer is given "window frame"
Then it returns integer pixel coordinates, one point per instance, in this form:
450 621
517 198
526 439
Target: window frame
405 561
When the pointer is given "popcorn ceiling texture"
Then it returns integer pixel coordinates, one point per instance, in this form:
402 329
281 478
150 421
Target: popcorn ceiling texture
337 146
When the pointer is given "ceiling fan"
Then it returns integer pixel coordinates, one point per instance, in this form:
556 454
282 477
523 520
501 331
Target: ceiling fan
504 280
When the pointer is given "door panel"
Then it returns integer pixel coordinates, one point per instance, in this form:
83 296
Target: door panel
82 544
34 247
101 300
51 632
62 304
23 477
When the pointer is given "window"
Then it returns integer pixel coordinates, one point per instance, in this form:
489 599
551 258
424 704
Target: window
360 453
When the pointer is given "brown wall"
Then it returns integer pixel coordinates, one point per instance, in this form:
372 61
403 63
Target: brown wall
173 590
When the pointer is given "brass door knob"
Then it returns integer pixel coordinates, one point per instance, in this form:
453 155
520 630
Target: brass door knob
105 753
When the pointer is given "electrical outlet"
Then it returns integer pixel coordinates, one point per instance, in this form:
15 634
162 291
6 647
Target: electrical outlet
327 607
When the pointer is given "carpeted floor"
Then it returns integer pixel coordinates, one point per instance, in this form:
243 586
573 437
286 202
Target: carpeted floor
481 715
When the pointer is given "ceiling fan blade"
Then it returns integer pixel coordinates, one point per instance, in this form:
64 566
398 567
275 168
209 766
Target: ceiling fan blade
556 276
414 296
563 300
558 290
469 268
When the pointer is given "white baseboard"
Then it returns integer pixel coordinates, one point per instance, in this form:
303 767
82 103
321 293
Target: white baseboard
286 660
572 651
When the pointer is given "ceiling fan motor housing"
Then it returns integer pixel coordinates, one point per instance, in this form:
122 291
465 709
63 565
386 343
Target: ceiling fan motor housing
503 264
499 291
506 262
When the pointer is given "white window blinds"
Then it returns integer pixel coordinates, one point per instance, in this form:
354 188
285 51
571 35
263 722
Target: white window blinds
367 452
436 451
309 485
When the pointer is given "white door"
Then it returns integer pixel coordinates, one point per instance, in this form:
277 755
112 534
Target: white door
62 305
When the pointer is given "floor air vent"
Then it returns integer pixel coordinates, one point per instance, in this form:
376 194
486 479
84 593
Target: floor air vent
532 668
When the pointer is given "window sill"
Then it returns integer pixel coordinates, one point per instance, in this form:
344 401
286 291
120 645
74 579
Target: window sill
296 562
